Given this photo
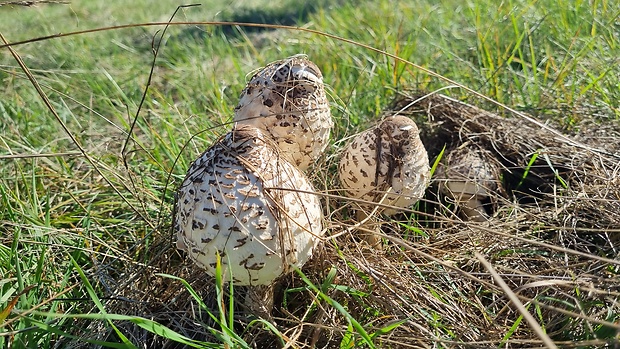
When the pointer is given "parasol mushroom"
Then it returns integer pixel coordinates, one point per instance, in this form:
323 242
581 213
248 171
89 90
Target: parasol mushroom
243 201
386 164
286 100
469 175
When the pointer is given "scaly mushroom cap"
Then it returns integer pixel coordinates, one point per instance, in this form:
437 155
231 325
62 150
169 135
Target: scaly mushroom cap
286 99
243 200
389 156
468 173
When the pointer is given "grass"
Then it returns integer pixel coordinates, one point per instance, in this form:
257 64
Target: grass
69 224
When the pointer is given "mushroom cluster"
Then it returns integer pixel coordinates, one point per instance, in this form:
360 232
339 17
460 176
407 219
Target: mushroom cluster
246 199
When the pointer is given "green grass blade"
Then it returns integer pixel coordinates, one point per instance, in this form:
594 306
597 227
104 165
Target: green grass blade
350 319
97 301
51 329
227 334
147 324
555 171
348 338
388 328
528 168
438 160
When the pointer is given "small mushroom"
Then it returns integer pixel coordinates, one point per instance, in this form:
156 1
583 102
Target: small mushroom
286 100
469 175
242 200
387 163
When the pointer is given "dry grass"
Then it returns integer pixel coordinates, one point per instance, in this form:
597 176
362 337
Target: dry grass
31 2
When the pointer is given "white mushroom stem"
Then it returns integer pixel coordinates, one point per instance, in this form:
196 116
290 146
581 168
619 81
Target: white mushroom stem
370 222
259 300
474 211
468 196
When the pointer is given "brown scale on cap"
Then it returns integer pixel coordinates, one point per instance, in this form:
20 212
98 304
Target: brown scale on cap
286 99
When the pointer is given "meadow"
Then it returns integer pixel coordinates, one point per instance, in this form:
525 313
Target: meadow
98 128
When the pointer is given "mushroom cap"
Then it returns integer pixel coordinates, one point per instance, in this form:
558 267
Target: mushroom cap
286 99
389 156
467 173
243 200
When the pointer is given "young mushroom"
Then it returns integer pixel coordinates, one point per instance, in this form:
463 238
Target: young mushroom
468 176
386 164
243 201
286 100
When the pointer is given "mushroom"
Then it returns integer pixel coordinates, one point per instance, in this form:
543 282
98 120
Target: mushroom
286 100
386 164
469 175
243 201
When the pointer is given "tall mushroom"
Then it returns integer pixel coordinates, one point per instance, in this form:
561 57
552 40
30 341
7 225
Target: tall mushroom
468 175
242 200
286 99
387 163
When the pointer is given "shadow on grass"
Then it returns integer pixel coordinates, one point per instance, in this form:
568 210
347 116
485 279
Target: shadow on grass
288 13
